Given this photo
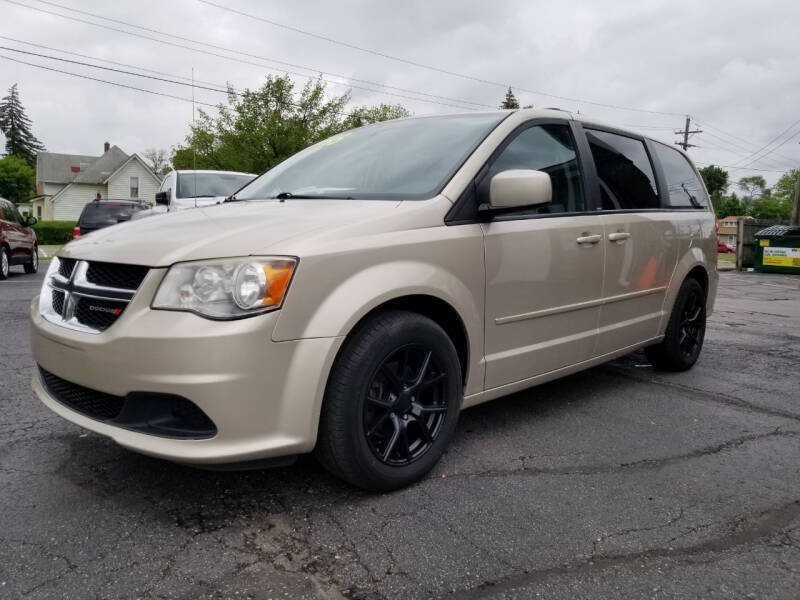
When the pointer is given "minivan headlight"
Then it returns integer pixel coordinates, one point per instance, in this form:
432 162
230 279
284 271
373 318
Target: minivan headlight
228 288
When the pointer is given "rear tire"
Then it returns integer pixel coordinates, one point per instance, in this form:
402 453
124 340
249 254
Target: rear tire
391 403
33 266
683 339
5 263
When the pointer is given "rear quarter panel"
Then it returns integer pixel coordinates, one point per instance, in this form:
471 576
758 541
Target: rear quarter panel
697 249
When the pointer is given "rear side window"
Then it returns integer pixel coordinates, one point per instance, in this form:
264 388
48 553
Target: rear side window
548 148
626 176
96 214
684 187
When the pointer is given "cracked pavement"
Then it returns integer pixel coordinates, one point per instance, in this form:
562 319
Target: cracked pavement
615 482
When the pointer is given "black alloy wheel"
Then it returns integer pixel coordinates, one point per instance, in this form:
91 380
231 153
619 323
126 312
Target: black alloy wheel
391 402
691 329
686 329
405 405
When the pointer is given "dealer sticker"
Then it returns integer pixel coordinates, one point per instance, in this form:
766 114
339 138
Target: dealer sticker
782 257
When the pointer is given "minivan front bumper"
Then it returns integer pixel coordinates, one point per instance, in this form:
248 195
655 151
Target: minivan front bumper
264 397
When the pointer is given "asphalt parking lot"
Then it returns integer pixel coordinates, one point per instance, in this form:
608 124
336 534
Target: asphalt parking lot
618 482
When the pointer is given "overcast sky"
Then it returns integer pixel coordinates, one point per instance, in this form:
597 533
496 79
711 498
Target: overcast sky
732 64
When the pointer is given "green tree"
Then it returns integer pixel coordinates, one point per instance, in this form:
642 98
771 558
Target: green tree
257 129
365 115
785 188
17 179
771 208
753 187
728 206
510 101
715 178
16 126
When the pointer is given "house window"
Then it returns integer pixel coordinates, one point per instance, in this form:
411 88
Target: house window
731 239
134 187
38 212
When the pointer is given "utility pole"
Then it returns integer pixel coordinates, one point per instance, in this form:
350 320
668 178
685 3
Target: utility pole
686 132
796 208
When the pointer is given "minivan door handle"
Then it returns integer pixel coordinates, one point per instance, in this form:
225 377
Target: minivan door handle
619 236
589 239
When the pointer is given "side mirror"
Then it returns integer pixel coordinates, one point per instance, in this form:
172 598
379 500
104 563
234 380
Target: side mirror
31 221
518 188
162 198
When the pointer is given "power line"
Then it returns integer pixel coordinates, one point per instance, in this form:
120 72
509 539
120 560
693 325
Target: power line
152 77
705 123
430 67
768 152
733 168
424 95
122 85
772 141
223 87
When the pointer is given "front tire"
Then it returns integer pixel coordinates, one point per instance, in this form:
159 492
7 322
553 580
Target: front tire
33 266
683 340
391 403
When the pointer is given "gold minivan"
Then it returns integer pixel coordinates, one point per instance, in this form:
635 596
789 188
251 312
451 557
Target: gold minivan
354 298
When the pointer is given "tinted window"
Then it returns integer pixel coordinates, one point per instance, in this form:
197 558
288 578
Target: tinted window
402 159
548 148
683 185
624 169
97 214
209 185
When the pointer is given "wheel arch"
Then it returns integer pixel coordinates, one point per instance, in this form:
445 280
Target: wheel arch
437 310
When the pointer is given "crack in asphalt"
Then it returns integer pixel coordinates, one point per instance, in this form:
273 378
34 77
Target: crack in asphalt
647 463
717 397
741 531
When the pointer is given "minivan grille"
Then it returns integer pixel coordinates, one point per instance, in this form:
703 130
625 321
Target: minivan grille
65 266
127 277
89 296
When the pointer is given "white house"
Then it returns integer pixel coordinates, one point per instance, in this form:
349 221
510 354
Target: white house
67 182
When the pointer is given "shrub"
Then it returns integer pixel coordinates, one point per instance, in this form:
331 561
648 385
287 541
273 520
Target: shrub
53 232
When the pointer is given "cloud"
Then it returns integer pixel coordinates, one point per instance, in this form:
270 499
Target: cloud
735 64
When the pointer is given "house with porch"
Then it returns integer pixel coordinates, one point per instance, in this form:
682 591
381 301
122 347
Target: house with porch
65 183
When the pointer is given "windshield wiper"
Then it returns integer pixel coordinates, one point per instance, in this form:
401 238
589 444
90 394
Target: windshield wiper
692 197
290 195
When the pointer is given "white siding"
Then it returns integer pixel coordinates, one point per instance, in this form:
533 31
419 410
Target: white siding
51 189
70 203
119 186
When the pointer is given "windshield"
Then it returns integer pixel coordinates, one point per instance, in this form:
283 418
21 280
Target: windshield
198 185
405 159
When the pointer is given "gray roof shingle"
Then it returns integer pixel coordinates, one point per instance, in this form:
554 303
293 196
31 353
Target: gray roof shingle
57 168
104 166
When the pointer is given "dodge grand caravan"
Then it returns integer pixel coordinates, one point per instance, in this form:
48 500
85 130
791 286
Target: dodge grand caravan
353 299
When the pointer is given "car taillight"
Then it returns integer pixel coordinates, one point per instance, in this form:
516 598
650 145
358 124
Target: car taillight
76 232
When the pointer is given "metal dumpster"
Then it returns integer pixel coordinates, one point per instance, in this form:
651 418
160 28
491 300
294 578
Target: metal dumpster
777 249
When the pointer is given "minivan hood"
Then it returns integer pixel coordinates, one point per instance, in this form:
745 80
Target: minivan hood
233 229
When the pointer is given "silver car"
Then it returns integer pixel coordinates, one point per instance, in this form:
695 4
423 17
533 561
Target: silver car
360 294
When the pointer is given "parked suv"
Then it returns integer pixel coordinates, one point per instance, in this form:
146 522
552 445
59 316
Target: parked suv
104 213
357 296
17 240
